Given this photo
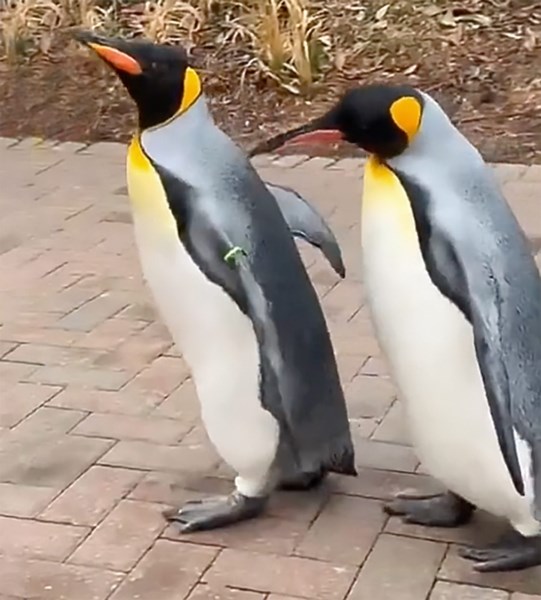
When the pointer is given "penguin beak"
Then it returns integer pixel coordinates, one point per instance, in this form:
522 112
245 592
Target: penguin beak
318 136
114 52
320 131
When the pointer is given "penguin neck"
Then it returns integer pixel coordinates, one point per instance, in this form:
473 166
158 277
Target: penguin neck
180 136
189 146
441 162
438 146
197 113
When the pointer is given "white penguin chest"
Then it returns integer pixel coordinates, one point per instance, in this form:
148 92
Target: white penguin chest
216 339
219 344
429 345
200 315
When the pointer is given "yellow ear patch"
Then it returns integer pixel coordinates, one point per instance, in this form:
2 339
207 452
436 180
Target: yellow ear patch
406 113
192 89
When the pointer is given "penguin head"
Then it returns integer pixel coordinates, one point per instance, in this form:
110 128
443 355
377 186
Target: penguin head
381 119
157 76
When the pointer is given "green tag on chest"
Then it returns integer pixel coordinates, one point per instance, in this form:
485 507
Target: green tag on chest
234 254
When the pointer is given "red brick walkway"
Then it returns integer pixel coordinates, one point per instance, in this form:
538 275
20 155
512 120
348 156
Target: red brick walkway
99 425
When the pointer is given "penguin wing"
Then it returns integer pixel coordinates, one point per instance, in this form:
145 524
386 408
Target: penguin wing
305 221
473 282
487 313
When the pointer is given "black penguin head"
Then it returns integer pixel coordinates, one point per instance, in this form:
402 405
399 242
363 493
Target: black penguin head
157 77
381 119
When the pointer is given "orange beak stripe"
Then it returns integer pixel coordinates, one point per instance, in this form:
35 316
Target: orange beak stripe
117 59
319 136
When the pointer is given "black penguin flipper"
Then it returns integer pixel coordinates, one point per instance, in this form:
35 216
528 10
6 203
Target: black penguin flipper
489 351
334 450
304 221
465 276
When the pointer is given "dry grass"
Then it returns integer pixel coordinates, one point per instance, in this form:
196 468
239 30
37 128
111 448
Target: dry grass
286 39
169 21
22 20
292 43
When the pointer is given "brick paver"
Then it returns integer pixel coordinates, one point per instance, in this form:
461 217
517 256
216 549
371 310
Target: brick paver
99 421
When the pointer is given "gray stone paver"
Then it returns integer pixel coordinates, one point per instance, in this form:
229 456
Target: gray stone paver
99 426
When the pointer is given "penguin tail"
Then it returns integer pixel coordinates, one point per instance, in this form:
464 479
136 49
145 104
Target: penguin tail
536 475
344 463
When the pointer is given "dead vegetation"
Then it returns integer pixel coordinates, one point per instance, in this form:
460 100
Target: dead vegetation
292 42
479 57
287 40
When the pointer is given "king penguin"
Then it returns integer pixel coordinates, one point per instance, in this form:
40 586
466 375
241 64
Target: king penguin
455 298
216 249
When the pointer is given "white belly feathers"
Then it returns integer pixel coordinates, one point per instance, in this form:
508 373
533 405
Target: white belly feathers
430 348
215 337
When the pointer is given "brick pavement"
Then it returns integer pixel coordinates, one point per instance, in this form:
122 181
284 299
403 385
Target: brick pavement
99 426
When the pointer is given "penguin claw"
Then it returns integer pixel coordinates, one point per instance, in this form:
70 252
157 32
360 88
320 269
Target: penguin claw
435 510
214 512
510 554
479 554
414 496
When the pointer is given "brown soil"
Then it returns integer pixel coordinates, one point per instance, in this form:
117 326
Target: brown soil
487 77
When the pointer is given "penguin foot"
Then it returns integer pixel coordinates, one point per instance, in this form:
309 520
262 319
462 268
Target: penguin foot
436 510
303 482
512 552
214 512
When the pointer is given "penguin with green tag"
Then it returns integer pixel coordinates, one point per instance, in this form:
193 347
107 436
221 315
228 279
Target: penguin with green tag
216 248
